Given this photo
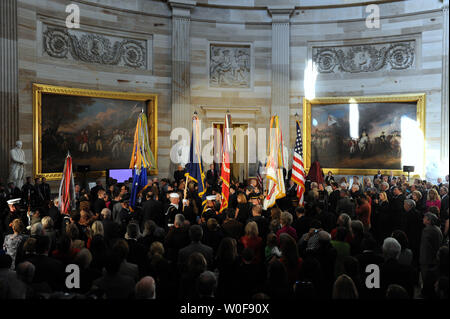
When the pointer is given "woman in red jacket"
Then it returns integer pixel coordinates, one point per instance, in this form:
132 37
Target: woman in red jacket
363 211
252 241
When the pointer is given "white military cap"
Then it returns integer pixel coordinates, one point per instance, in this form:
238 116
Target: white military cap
211 197
174 195
13 201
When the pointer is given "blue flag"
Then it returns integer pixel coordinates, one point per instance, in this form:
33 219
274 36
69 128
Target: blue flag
139 182
194 169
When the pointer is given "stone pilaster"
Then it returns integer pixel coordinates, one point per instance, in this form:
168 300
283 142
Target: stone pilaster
9 99
280 67
181 52
444 87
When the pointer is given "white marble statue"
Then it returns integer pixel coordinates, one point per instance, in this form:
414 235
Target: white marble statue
17 169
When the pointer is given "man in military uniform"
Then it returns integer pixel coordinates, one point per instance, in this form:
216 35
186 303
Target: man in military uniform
382 137
173 209
99 143
8 215
210 208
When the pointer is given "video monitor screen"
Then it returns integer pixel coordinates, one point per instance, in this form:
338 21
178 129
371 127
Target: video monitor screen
121 175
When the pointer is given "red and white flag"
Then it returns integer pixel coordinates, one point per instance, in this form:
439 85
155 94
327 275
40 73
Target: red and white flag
298 169
225 174
274 167
67 188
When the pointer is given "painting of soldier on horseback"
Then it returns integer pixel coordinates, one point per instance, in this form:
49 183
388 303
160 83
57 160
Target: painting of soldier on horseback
359 135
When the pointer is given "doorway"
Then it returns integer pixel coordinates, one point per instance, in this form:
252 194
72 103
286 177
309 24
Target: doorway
239 165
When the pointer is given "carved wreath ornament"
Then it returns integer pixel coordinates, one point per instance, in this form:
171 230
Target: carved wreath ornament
364 58
94 48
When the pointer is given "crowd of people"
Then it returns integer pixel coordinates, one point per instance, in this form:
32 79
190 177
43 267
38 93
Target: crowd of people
175 244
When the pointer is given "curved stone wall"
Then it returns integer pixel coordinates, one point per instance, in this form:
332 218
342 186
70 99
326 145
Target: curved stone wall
273 79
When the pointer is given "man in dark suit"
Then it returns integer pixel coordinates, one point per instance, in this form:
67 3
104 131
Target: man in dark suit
177 238
345 204
137 252
152 209
378 175
392 272
45 189
291 191
369 257
47 270
212 176
13 191
413 225
39 196
28 193
179 174
263 223
334 197
111 228
99 203
231 227
196 235
95 189
115 284
430 243
397 208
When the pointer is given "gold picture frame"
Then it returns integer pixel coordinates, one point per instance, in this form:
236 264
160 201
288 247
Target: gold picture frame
419 98
40 89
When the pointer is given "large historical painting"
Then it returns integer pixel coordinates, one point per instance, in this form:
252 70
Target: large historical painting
96 127
359 135
230 66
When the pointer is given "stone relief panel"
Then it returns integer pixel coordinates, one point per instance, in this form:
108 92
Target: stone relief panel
93 47
230 66
365 58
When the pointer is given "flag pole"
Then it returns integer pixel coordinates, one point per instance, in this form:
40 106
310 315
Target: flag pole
185 190
187 177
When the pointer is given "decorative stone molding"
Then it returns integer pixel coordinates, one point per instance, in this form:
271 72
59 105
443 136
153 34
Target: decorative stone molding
280 14
241 113
230 66
365 57
182 8
95 48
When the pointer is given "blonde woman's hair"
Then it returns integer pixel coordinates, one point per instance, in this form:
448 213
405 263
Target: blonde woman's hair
47 222
435 195
251 229
97 228
241 199
385 196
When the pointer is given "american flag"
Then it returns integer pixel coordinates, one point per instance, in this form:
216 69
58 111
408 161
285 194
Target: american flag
298 170
259 177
